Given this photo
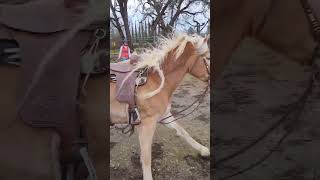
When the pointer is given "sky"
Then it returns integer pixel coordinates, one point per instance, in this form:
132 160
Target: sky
135 16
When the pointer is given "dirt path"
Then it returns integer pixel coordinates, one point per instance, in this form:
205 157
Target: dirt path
252 94
172 157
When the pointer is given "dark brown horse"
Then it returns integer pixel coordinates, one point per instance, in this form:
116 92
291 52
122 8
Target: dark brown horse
281 25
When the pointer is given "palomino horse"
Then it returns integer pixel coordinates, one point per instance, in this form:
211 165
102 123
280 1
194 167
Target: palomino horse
167 66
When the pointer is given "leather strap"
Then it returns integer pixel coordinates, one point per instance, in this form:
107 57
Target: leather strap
314 22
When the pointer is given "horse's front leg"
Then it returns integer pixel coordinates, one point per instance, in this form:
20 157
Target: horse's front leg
204 151
146 131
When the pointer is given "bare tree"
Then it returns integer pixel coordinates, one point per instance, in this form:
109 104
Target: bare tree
198 26
121 6
165 13
115 19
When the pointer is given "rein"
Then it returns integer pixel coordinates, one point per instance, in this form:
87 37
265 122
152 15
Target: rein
296 107
199 99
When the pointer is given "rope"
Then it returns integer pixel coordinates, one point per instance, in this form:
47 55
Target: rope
294 106
258 162
200 100
302 101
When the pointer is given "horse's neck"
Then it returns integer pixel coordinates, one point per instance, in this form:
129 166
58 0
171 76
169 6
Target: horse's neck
270 22
175 70
173 79
283 36
231 24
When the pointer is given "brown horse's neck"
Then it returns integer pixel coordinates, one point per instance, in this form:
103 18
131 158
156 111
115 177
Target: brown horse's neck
287 31
281 25
231 22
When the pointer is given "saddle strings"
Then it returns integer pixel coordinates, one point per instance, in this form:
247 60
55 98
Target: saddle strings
94 52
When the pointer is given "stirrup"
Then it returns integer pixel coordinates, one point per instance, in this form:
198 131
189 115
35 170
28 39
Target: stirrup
134 116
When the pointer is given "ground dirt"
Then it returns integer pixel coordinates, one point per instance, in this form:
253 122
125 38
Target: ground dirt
252 93
172 157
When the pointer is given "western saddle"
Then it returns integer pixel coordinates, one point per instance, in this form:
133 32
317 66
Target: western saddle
34 27
126 88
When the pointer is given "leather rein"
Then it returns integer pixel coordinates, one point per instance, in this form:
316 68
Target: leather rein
199 100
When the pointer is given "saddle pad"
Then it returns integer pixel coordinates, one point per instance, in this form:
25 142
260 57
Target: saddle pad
123 67
33 15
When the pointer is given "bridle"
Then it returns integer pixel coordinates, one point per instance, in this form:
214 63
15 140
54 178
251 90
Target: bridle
295 108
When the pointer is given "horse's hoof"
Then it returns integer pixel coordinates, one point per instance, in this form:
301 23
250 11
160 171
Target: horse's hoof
205 152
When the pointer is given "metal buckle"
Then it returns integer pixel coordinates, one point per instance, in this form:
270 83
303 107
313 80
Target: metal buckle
100 33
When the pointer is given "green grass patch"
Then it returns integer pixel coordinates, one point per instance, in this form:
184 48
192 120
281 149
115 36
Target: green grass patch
114 51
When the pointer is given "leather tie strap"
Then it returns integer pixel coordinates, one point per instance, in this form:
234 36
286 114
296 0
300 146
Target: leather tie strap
314 22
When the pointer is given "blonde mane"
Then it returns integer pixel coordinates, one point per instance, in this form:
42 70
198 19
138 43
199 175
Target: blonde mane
153 58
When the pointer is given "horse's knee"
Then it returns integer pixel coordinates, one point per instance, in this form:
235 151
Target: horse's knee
145 161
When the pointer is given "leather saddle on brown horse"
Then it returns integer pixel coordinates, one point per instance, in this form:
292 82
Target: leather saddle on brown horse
126 85
36 26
